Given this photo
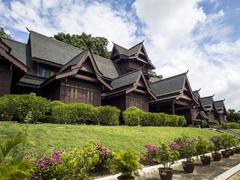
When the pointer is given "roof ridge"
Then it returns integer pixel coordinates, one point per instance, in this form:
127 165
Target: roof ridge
52 38
13 40
220 100
135 45
127 74
120 46
170 77
206 96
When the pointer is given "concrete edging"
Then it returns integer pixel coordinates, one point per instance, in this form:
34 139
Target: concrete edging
227 174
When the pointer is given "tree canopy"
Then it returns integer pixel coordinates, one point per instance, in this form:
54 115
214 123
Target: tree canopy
3 33
233 115
97 45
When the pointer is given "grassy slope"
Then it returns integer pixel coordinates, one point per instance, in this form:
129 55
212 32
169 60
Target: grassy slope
236 130
46 138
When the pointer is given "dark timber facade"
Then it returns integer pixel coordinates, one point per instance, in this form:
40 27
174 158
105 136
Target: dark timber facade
59 71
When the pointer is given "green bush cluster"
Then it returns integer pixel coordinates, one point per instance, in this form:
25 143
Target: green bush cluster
31 108
17 107
80 113
135 117
232 125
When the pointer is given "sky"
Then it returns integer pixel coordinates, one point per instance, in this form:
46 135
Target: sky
202 36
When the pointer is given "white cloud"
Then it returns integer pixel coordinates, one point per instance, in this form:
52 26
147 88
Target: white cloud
179 35
177 32
75 17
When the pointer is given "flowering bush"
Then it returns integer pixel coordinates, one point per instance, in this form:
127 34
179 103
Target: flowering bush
46 166
150 157
105 158
167 154
186 147
217 143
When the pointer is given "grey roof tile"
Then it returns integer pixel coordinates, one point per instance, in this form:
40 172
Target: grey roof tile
52 50
125 80
219 104
207 101
106 66
168 85
31 81
18 49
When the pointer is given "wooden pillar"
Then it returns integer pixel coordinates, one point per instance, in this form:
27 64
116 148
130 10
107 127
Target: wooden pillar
173 107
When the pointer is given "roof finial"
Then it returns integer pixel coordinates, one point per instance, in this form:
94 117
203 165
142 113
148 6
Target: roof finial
213 95
199 89
187 71
27 29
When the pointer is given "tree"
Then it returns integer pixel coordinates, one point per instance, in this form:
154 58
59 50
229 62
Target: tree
97 45
3 33
233 115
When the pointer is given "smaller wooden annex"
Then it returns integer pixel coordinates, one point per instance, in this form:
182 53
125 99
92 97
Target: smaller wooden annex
58 71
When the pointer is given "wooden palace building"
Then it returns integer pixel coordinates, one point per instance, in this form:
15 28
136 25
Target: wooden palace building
58 71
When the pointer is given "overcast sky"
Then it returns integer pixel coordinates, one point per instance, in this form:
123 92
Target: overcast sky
202 36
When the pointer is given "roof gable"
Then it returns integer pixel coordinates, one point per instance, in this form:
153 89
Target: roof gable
84 61
219 105
7 52
169 85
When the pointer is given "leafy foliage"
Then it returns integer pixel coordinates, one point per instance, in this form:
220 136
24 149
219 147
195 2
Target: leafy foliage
98 45
167 155
232 125
4 34
14 166
233 115
108 115
186 146
17 107
203 146
126 162
76 163
134 117
217 143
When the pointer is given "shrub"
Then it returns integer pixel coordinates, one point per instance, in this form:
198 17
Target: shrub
151 119
76 163
186 147
181 121
74 113
132 116
217 143
167 155
105 159
203 146
227 141
232 125
16 107
108 115
127 163
150 157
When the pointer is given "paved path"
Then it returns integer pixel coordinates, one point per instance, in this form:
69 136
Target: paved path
200 172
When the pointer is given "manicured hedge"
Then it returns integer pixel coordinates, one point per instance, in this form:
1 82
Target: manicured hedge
81 113
108 115
232 125
17 107
135 117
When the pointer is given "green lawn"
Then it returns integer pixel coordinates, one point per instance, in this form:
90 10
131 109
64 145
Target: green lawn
46 138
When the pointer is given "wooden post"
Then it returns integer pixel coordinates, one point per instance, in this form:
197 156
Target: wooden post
173 107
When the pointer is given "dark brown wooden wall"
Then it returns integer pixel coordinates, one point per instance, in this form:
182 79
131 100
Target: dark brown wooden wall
118 101
5 79
138 100
74 90
211 116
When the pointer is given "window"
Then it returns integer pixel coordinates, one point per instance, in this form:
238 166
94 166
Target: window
44 72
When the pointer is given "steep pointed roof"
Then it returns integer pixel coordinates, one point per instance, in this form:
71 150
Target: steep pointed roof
128 52
50 49
169 85
17 49
220 106
207 101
